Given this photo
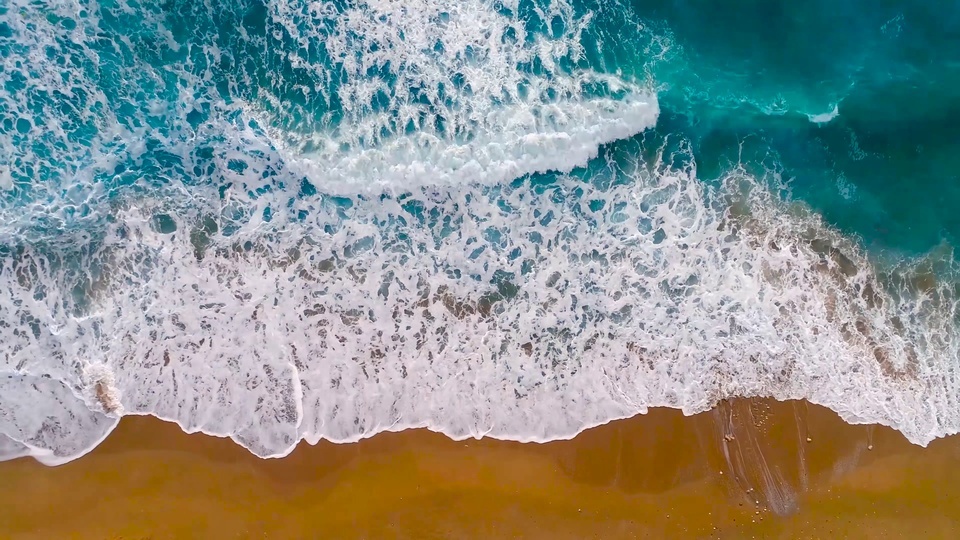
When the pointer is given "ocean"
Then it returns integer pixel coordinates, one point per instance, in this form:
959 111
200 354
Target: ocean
286 220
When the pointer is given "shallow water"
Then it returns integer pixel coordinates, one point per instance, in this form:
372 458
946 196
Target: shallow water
283 221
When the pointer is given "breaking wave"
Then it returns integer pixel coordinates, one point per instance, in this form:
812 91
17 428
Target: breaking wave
287 221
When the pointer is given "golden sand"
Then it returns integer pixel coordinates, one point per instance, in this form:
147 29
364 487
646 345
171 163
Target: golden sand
750 468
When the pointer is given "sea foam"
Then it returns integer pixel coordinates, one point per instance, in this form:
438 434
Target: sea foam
825 118
525 311
417 220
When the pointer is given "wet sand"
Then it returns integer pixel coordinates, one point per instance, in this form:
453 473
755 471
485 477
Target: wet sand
750 468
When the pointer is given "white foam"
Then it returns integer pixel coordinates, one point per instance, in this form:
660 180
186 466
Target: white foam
37 81
490 157
486 99
825 118
6 180
11 449
42 417
382 315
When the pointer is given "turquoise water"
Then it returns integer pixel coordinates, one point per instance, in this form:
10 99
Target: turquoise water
286 220
889 68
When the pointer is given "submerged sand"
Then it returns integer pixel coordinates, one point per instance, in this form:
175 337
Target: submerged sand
749 468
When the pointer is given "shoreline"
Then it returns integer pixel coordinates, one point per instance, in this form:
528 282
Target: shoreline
303 442
748 467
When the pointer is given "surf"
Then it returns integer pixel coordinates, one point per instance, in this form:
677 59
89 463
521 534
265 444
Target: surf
322 221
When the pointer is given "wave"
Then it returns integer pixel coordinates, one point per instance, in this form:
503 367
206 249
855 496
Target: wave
372 93
526 311
463 92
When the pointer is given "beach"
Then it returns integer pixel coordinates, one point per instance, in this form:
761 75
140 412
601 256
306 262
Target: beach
390 227
749 468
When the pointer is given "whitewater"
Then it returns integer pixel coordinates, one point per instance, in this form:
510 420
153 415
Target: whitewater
300 221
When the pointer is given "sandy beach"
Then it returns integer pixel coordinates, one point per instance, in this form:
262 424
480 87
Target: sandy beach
750 468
